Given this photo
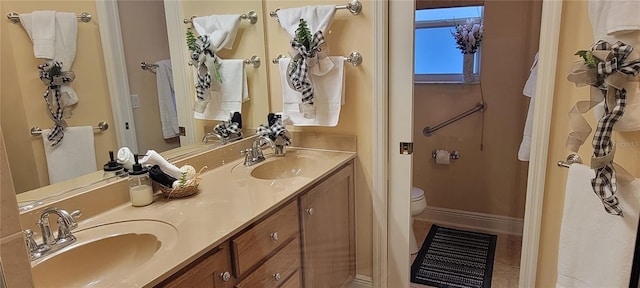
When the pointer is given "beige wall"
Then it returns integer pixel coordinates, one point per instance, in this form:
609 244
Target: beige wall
347 33
575 34
489 180
23 106
250 41
144 37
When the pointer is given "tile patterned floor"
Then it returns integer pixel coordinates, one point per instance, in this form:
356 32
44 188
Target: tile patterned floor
506 266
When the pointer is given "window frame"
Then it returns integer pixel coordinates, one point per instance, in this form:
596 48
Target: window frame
446 78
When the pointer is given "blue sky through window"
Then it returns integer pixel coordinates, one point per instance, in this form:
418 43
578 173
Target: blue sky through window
435 48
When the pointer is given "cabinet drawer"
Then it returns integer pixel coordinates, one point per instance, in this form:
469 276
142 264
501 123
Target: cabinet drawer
277 269
253 245
209 271
295 281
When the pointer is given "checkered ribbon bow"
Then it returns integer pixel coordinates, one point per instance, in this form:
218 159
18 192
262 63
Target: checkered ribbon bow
52 75
275 132
226 128
612 73
203 57
299 75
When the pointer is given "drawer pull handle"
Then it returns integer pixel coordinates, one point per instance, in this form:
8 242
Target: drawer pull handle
226 276
275 236
310 211
277 276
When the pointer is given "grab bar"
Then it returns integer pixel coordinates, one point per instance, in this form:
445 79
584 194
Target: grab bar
102 126
428 131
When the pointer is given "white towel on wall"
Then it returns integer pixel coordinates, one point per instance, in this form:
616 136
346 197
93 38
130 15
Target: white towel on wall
73 157
318 18
596 248
529 90
234 92
54 36
167 100
328 95
221 29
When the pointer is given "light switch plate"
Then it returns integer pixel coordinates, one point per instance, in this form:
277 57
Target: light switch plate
135 101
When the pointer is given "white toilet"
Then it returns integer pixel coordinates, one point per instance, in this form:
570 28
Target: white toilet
418 204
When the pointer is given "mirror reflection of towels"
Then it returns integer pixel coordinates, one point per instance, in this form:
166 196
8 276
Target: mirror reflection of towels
234 92
73 157
167 100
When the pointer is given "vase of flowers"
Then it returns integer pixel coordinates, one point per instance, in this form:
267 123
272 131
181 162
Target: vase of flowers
468 38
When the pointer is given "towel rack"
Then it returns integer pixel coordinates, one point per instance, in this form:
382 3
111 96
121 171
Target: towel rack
571 159
15 17
252 16
253 61
102 126
428 131
149 66
355 7
355 58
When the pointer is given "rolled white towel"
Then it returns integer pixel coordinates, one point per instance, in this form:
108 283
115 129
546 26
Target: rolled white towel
153 158
126 158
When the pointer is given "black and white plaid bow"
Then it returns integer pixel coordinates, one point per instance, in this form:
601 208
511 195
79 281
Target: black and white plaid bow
299 75
226 128
52 75
604 183
203 50
275 132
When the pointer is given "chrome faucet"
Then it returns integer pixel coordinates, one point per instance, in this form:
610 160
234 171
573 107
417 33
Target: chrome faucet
222 139
50 244
254 155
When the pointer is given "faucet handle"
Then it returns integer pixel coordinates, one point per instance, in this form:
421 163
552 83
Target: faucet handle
31 244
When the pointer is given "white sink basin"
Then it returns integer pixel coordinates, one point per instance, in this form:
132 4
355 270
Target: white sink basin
104 254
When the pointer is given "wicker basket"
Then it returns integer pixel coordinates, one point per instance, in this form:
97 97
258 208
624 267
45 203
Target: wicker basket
185 191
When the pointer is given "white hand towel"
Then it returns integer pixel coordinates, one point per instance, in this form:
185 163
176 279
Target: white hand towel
220 28
73 157
41 27
167 100
234 92
529 90
328 95
66 38
318 18
596 248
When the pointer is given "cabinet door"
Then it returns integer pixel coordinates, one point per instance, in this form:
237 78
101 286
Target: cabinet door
328 231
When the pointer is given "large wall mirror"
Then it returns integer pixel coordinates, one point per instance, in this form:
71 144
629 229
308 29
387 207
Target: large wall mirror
112 86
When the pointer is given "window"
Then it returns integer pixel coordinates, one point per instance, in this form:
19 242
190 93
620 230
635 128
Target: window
437 59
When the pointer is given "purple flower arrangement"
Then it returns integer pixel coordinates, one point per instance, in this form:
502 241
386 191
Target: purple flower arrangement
468 36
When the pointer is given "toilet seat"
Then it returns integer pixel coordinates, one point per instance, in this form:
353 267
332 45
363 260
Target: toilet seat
417 194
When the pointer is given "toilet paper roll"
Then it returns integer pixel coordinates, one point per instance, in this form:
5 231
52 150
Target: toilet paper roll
443 157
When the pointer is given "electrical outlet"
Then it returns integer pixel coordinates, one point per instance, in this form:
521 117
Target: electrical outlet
135 101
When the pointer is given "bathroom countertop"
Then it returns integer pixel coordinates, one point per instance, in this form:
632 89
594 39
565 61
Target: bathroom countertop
229 200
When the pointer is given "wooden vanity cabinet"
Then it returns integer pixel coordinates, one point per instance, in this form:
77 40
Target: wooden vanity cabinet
213 270
328 231
308 242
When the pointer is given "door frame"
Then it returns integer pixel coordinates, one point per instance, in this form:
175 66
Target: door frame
390 239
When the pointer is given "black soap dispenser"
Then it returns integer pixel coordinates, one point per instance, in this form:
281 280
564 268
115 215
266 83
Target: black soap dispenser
113 168
140 189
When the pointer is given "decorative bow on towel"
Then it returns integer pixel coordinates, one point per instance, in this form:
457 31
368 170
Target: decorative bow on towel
606 71
299 68
52 75
206 62
275 132
226 128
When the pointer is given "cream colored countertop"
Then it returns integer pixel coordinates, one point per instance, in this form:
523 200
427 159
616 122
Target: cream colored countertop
229 200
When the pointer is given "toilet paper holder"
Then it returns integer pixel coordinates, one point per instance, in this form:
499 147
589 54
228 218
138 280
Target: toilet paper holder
453 155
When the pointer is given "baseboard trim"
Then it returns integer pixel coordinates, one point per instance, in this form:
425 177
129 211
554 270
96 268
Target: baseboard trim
362 281
474 220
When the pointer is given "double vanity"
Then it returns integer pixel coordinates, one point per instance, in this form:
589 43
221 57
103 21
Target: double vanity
284 222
